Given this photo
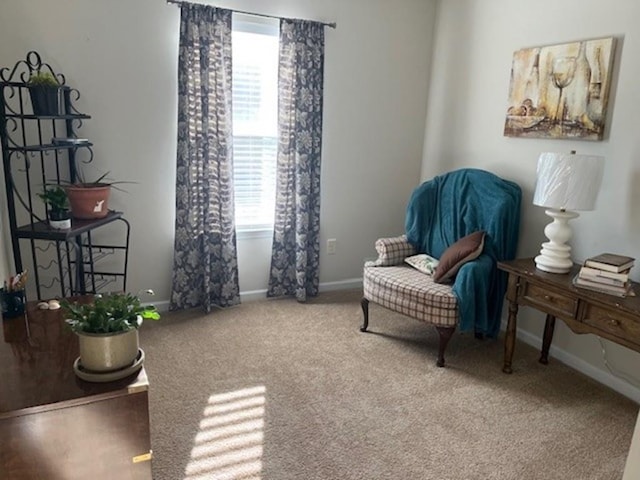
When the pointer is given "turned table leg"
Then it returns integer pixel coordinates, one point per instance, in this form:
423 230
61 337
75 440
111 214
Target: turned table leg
549 326
510 337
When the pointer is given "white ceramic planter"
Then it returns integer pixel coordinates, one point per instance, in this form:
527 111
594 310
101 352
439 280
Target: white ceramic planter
60 224
102 352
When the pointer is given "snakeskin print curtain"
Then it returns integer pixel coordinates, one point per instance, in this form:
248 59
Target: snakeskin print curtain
205 270
296 237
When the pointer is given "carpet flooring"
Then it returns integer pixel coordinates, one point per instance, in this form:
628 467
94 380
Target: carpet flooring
280 390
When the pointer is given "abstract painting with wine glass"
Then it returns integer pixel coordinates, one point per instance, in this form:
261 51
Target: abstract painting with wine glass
560 91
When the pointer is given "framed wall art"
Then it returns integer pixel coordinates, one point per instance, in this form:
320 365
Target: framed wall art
560 91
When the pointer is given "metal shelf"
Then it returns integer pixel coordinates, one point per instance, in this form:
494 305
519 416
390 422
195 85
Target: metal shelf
50 146
70 266
24 85
31 116
42 230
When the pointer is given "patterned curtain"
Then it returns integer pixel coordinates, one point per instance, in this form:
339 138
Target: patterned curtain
296 237
205 270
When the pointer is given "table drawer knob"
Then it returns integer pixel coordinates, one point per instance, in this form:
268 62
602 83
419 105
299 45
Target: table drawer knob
547 297
614 322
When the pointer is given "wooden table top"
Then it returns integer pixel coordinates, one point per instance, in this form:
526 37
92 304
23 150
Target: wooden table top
36 366
564 281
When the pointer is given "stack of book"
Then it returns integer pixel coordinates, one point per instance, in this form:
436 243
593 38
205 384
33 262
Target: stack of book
606 273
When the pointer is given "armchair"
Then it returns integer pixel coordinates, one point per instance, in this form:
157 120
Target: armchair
440 212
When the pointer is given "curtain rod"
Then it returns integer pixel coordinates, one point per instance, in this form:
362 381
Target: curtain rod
331 25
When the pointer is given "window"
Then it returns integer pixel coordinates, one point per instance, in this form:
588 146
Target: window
255 120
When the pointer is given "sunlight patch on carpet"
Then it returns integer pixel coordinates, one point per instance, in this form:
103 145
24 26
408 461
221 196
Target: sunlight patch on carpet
229 443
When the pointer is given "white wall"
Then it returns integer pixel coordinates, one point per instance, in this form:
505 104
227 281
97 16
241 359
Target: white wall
122 56
473 49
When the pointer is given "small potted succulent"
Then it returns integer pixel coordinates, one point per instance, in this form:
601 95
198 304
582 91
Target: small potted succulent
59 215
107 329
44 90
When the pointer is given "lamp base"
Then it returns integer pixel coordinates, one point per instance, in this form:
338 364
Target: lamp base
549 263
555 255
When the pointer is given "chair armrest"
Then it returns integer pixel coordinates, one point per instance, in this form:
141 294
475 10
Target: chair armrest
392 251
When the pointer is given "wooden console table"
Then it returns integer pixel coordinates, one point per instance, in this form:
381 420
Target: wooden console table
54 425
584 311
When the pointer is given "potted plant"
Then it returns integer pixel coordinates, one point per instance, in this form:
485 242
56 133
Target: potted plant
90 200
44 90
59 215
107 329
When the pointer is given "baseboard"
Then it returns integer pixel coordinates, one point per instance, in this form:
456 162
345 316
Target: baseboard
601 376
162 306
253 295
348 284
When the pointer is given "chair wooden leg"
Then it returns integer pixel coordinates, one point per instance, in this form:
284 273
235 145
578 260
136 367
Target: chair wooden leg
445 335
364 303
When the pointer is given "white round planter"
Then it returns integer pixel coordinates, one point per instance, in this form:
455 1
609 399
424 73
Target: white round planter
106 352
60 224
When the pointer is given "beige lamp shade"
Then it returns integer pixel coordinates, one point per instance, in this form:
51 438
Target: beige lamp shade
568 181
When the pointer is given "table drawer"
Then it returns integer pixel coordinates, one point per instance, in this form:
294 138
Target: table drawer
613 322
550 301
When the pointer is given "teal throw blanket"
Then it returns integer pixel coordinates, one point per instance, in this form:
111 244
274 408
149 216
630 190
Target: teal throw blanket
453 205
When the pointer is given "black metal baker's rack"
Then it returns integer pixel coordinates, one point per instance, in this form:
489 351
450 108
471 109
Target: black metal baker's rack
60 262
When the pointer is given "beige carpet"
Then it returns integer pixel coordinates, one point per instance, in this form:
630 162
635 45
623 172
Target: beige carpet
280 390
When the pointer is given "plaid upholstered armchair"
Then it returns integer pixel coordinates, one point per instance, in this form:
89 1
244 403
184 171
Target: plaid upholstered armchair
469 220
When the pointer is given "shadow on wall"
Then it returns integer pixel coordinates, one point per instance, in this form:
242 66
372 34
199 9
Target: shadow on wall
634 199
615 75
453 57
5 240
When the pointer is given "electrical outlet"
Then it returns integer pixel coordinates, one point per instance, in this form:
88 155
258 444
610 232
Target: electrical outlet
331 246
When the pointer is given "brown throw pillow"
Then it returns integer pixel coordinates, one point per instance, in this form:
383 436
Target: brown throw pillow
464 250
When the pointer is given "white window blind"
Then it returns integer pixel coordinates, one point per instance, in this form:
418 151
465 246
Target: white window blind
255 121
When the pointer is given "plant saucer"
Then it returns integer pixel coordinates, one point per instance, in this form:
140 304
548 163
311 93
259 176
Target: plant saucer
102 377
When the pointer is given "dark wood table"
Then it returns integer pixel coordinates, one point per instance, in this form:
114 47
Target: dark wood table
584 311
54 425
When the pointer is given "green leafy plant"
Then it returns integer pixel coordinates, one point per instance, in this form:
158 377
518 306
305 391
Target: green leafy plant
103 180
118 312
43 79
56 198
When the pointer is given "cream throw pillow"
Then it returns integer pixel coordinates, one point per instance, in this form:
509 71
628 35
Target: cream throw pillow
423 263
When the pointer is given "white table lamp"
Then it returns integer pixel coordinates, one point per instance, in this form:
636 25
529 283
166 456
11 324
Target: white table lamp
566 182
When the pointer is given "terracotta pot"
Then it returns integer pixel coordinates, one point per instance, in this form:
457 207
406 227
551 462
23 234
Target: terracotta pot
88 201
106 352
